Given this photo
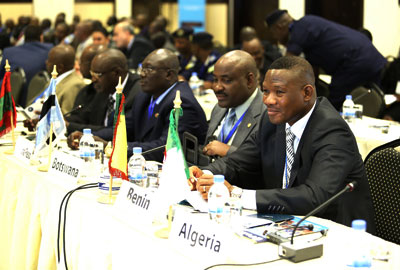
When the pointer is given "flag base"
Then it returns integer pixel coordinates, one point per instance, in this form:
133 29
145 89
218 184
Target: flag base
9 152
106 199
163 233
44 168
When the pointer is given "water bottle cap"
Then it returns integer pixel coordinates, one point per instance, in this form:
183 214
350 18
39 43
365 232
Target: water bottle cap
349 97
137 150
87 131
194 73
219 178
359 224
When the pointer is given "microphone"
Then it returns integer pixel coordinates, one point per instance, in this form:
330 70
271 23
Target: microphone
309 251
77 108
361 96
153 149
349 187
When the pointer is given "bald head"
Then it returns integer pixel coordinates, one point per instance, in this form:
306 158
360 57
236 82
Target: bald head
159 71
107 67
247 33
255 48
83 30
235 78
63 56
87 56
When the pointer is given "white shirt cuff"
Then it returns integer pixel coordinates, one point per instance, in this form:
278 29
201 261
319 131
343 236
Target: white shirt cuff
248 199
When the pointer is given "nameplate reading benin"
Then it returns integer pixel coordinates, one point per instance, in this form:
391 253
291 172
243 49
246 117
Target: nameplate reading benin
24 149
66 166
134 203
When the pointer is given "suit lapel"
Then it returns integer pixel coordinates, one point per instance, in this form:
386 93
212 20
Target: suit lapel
280 151
217 118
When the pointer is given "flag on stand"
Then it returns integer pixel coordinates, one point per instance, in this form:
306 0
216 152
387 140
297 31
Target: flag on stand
51 113
7 106
175 171
118 163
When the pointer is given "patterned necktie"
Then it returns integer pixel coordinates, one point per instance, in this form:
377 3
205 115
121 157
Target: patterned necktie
229 123
110 104
289 156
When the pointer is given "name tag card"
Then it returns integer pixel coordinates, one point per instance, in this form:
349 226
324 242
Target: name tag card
134 205
66 166
24 149
197 234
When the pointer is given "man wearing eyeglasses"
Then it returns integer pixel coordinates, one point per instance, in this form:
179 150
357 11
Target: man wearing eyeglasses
148 121
106 68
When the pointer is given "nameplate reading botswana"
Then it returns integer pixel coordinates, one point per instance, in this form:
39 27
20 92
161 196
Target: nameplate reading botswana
66 166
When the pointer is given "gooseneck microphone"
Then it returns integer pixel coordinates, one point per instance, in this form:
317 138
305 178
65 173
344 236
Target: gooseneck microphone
349 187
154 149
361 96
77 108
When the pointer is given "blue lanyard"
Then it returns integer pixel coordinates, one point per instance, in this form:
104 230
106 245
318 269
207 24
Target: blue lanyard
233 130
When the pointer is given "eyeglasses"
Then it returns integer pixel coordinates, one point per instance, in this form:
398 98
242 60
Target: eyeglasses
97 75
149 69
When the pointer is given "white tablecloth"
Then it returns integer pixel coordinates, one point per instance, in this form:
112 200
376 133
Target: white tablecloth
97 239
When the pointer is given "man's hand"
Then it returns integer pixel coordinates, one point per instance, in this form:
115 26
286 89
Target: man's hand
73 140
195 172
204 184
31 124
216 148
98 139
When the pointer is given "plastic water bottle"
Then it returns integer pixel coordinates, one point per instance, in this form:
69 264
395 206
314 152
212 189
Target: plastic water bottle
86 152
195 83
360 252
218 201
136 168
348 109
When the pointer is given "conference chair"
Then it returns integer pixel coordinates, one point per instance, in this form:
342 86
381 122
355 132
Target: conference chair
372 98
37 85
382 166
17 80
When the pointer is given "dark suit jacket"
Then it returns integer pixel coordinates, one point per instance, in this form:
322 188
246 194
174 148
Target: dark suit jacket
326 159
249 125
141 47
30 56
153 132
93 114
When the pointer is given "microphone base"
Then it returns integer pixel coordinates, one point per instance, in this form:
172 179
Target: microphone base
299 252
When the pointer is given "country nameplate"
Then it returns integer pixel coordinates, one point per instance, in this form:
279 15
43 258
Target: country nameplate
134 205
24 149
197 234
66 166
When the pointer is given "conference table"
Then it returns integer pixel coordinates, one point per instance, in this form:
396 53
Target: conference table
99 238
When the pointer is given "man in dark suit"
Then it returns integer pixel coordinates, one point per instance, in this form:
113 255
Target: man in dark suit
136 48
235 86
321 154
106 68
147 122
31 56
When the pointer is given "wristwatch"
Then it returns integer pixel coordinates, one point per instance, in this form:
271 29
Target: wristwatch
236 192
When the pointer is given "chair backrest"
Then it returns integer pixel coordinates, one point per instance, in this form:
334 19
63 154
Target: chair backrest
372 99
18 81
36 86
382 166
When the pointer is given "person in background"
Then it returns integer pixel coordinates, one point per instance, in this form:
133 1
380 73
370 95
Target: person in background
344 53
240 104
303 151
147 123
100 36
182 41
135 47
263 58
105 69
82 36
30 56
202 48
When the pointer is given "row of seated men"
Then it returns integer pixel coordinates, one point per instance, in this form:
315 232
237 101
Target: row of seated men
296 147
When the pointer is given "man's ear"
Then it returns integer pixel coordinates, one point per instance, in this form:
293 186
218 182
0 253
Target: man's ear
308 92
251 79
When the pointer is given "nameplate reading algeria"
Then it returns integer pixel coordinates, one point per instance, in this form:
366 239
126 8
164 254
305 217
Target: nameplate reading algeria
134 204
197 234
66 166
24 149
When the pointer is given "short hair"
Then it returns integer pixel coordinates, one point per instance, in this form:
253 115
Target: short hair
102 30
128 27
299 64
32 33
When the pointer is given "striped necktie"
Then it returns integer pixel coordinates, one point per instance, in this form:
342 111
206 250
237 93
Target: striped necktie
289 156
229 123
